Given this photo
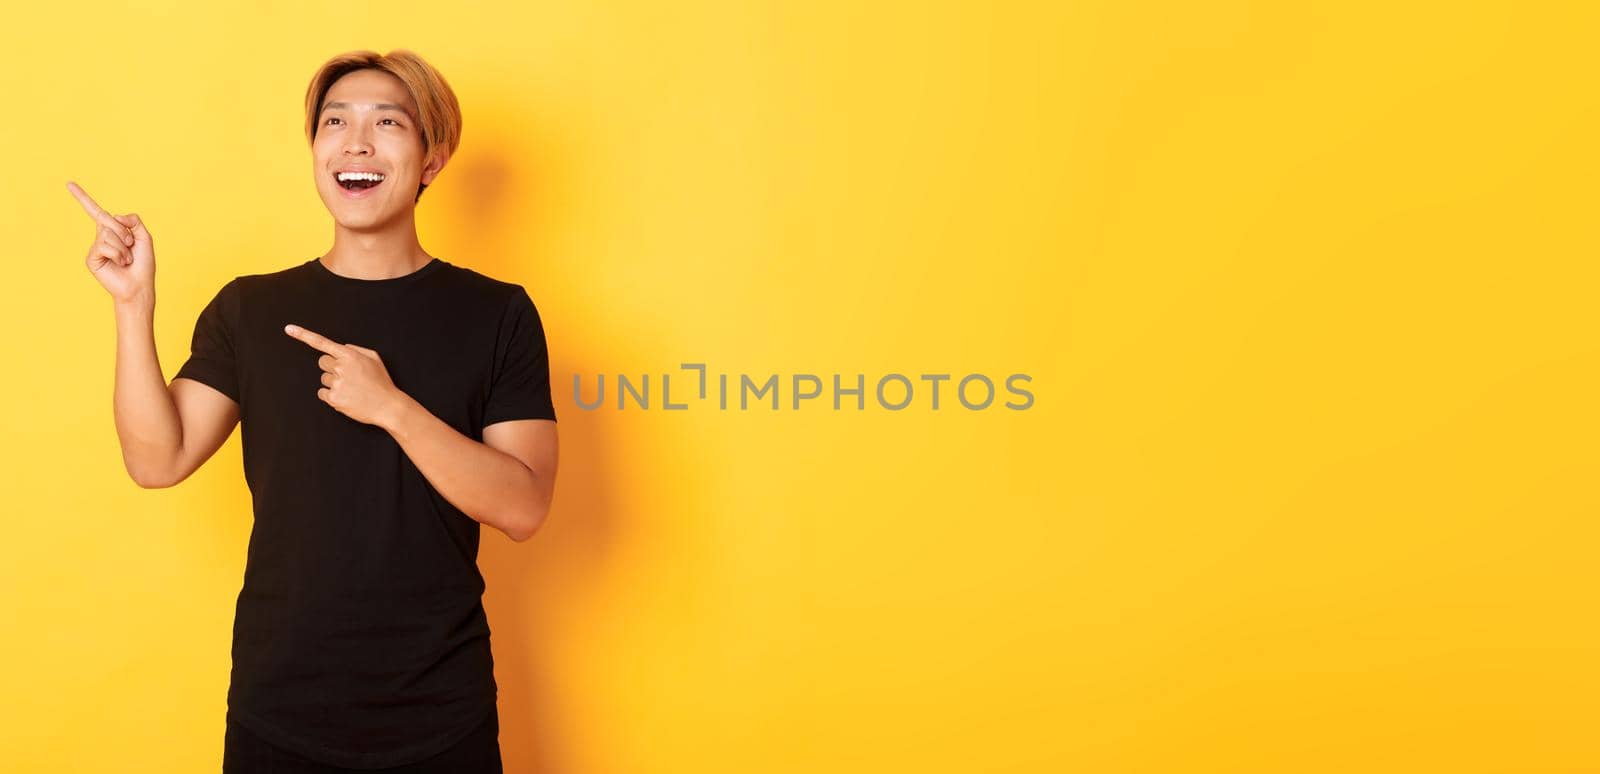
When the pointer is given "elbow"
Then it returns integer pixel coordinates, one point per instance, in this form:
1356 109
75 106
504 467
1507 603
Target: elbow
149 471
146 481
529 525
149 479
153 476
527 529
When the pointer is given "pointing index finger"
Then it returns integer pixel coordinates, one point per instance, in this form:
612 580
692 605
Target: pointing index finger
84 199
95 211
316 340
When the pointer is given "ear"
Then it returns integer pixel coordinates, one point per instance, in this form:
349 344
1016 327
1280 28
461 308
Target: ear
431 171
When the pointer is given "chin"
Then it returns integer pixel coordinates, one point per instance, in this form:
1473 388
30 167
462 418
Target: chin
367 222
354 212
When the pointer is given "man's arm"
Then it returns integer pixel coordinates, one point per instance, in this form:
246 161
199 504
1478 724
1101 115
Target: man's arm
166 431
150 415
506 482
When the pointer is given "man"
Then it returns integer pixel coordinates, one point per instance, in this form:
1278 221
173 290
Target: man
390 402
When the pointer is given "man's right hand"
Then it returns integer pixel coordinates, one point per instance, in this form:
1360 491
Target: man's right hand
123 256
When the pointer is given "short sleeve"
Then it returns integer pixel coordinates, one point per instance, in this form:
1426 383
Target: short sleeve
211 350
520 381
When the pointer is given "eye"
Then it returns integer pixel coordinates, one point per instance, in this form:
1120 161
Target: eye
330 118
396 123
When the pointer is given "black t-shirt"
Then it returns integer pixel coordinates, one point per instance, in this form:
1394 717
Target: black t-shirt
360 638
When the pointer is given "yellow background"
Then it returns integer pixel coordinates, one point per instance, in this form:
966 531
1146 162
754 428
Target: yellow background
1306 293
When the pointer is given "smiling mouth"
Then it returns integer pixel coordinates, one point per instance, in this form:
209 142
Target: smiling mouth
359 184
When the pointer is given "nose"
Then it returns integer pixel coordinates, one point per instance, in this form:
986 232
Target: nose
356 143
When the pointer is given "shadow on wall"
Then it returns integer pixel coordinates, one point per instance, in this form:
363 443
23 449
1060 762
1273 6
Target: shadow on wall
531 584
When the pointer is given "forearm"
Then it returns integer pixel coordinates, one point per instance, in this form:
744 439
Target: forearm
486 484
148 426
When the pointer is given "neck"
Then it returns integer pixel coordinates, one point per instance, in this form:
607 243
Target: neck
392 251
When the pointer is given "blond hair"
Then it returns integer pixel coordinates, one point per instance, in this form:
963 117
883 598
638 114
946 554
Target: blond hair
438 113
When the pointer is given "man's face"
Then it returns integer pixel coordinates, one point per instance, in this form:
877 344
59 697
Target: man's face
368 123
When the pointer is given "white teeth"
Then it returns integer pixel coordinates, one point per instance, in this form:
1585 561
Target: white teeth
343 176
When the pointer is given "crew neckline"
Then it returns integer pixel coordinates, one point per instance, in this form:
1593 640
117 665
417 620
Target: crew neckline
429 267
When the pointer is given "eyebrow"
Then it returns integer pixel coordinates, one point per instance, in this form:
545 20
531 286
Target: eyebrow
377 105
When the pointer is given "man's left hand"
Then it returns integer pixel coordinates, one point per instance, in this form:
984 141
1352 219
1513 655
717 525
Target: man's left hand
354 379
